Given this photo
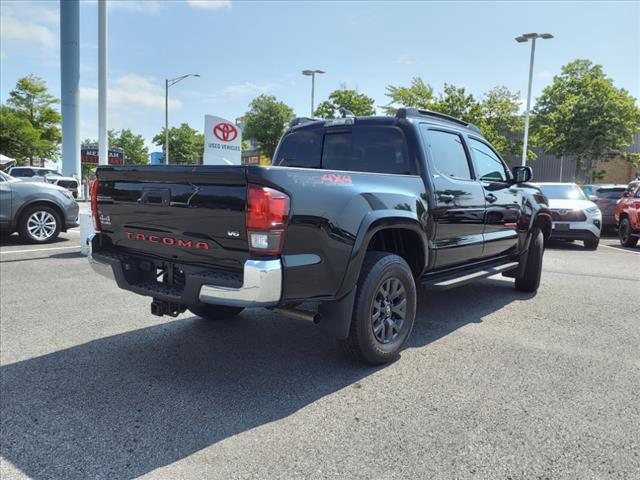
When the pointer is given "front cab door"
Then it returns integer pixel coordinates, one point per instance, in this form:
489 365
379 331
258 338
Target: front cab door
503 205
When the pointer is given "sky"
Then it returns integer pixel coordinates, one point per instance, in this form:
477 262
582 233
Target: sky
242 49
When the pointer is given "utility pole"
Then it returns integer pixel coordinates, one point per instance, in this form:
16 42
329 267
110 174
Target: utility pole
70 86
103 138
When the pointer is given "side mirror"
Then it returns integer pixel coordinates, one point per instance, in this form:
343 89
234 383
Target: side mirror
593 198
522 174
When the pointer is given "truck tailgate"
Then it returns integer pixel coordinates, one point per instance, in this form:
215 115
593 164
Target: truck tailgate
185 214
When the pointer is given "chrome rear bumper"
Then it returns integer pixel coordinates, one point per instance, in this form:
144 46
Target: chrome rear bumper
261 287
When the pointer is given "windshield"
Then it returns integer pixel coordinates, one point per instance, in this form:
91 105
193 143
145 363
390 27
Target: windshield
5 177
610 193
563 192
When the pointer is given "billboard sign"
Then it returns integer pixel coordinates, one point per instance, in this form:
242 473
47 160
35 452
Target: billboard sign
222 142
89 154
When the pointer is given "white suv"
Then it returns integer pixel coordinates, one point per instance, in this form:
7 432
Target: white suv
48 175
574 216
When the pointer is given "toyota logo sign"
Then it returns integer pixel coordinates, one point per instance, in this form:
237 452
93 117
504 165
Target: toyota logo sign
225 132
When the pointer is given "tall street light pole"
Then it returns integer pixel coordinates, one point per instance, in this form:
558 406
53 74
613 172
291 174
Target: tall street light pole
312 74
168 83
523 39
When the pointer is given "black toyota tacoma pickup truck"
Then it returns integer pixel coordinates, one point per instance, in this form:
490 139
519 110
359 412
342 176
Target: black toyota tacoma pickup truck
352 217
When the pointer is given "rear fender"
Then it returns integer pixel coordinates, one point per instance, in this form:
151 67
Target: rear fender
372 223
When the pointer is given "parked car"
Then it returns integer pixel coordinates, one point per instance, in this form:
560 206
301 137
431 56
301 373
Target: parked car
574 217
47 175
627 215
37 211
356 213
605 197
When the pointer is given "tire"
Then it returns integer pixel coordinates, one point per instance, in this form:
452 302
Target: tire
592 244
530 280
39 224
215 312
624 233
384 309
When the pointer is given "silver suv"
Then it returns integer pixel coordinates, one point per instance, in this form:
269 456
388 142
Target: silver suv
37 211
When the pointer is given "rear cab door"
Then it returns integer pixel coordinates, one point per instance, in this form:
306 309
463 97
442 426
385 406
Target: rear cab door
459 198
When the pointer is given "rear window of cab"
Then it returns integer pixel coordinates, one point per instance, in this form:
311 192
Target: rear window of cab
367 148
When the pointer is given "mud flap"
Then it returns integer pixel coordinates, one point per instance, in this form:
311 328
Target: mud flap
336 316
518 272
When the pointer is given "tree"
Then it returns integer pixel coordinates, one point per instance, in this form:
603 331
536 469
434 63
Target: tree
266 121
186 144
455 101
358 103
501 123
135 151
31 101
496 115
418 95
583 114
18 138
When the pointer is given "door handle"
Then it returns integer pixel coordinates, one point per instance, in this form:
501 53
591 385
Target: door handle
445 197
491 198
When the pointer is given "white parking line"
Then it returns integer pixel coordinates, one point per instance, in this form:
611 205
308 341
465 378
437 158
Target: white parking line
38 250
619 249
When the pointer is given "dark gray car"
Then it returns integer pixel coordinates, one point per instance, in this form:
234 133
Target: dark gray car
606 197
37 211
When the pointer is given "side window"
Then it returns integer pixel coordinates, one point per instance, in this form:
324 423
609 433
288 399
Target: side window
488 165
379 149
300 149
629 191
19 172
448 154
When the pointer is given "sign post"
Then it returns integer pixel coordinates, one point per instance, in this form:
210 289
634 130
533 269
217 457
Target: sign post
222 142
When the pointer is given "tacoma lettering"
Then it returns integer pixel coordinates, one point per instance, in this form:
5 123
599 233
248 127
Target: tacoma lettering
141 237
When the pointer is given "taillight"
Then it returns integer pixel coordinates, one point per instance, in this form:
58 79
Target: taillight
267 217
94 205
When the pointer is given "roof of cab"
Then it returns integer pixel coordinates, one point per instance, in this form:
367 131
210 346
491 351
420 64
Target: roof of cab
402 113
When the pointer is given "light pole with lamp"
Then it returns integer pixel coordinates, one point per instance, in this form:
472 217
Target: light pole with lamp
168 83
312 74
523 39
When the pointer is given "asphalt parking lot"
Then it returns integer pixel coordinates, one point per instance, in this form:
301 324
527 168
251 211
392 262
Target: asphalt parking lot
495 383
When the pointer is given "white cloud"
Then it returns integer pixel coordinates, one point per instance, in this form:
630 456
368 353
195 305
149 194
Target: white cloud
246 89
15 29
406 59
148 7
210 4
29 22
544 75
240 91
129 91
